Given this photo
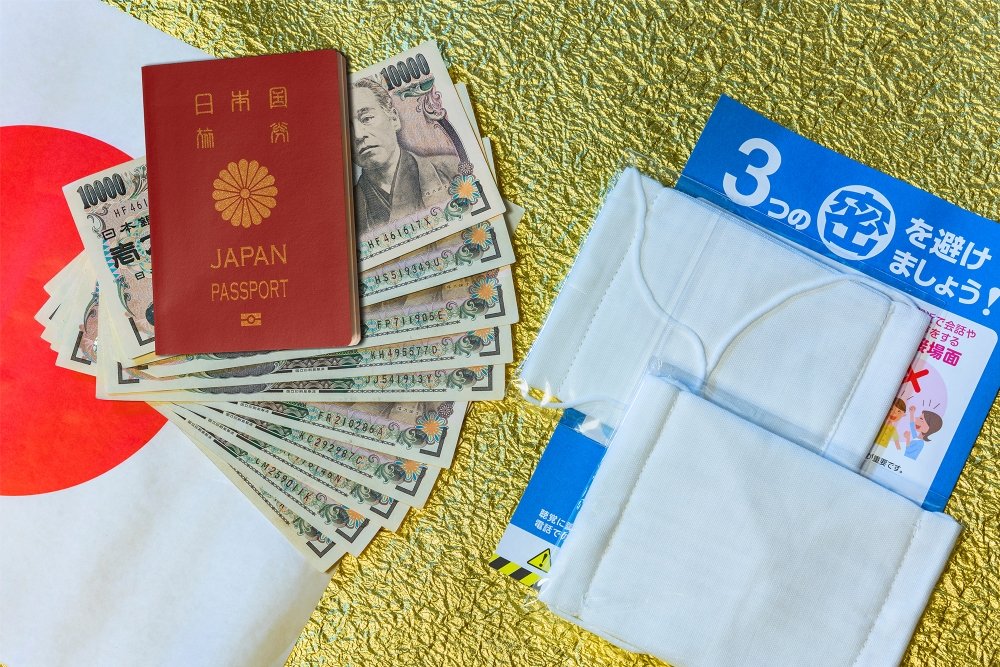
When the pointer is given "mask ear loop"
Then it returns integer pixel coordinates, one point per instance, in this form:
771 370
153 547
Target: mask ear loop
708 365
647 294
635 258
780 300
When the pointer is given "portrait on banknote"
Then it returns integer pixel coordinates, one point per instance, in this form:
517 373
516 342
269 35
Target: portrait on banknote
406 159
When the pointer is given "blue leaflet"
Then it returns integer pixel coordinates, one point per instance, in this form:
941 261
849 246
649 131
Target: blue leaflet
940 254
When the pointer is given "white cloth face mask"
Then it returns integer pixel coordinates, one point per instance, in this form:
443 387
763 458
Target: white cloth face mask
774 334
707 540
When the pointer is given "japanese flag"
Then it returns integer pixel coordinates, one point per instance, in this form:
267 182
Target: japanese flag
120 544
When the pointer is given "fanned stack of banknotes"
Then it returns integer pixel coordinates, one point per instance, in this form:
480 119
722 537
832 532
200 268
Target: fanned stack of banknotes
331 445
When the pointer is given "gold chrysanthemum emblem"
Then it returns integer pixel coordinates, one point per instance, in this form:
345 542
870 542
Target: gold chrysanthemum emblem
244 193
478 235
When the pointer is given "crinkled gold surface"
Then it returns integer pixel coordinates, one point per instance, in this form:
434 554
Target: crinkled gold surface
571 93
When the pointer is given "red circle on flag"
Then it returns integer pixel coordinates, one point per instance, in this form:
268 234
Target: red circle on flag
53 432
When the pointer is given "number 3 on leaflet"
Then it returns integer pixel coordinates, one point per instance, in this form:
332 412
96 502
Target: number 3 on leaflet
759 174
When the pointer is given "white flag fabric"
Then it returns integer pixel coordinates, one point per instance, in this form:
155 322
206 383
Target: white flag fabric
120 544
160 561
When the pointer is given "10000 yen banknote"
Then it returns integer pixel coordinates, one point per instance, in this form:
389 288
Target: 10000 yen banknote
319 550
483 246
76 342
61 288
111 212
58 287
473 348
422 174
476 302
405 480
110 371
50 317
66 275
456 384
316 508
374 506
514 212
426 432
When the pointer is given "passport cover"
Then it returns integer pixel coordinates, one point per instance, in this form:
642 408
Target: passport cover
250 204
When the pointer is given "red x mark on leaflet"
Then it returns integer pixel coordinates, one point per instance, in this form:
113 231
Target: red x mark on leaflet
913 377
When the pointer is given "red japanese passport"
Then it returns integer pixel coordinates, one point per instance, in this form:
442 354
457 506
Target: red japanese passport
251 214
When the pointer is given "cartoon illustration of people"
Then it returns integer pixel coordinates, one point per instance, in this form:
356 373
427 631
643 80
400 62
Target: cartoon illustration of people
888 431
921 428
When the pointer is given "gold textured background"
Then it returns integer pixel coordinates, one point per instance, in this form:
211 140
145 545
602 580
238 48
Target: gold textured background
571 93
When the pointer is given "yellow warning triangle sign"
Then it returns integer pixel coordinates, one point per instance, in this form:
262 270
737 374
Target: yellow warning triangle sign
542 561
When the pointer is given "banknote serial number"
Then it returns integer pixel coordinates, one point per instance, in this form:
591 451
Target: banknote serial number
343 455
406 231
329 449
415 270
409 352
358 425
398 322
